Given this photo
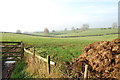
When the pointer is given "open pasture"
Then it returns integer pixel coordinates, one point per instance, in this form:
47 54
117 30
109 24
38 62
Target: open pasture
60 49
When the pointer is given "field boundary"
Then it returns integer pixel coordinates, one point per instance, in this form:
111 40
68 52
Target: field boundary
51 36
39 57
48 68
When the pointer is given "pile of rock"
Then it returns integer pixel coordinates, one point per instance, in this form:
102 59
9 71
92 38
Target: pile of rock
102 57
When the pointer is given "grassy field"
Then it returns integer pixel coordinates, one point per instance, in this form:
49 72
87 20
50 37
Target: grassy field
60 49
95 31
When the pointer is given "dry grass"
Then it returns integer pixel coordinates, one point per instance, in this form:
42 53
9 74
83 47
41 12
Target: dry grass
38 68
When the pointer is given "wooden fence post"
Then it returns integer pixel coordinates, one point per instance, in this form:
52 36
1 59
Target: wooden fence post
33 51
22 47
39 57
86 72
48 64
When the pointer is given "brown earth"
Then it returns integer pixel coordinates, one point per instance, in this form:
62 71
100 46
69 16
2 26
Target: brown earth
102 57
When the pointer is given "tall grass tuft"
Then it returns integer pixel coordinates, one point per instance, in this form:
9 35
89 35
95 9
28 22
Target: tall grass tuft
38 68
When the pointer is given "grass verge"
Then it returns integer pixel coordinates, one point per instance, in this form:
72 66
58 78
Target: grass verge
19 71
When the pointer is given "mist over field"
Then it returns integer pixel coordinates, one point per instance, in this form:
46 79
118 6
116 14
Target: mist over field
56 15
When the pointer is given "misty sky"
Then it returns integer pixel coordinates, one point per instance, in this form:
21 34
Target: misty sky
35 15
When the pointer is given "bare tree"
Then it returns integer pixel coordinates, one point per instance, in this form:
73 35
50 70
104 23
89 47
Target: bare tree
18 31
65 29
46 30
73 29
53 30
85 27
77 29
114 25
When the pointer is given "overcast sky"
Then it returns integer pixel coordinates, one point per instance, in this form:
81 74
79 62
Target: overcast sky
35 15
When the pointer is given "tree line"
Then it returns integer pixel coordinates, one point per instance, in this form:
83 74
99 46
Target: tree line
83 28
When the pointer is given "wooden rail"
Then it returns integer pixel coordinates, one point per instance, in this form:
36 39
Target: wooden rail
11 42
39 57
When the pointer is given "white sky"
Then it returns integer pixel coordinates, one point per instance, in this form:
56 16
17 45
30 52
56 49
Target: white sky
35 15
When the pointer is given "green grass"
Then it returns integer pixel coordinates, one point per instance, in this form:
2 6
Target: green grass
90 32
57 48
94 31
60 49
19 71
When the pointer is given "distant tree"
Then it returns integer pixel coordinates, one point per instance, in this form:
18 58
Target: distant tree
65 29
109 27
85 27
104 28
46 30
53 30
77 29
114 25
18 31
73 29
